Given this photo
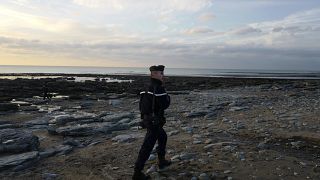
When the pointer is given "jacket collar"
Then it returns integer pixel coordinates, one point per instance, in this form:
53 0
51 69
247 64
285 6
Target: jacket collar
156 82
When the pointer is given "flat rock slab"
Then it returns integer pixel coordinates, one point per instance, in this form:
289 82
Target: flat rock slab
117 117
219 144
6 126
8 107
66 118
195 114
21 103
39 121
126 137
15 141
28 108
238 108
15 160
90 129
60 150
62 119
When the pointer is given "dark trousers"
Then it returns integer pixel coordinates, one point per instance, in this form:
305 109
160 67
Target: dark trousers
153 134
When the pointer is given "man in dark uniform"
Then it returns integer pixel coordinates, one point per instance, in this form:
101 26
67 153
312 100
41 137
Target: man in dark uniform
153 101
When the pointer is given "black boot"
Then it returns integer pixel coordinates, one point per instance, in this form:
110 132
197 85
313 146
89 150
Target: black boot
163 163
138 175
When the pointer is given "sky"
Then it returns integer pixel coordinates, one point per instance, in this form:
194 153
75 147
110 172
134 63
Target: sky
218 34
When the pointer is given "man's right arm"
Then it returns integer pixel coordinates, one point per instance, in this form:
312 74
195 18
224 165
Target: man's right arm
145 104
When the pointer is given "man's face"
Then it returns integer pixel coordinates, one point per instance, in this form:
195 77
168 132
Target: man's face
157 75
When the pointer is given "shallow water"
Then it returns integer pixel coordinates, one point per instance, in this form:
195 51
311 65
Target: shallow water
248 73
75 78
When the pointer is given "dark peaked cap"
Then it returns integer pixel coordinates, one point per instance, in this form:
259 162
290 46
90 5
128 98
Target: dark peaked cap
156 68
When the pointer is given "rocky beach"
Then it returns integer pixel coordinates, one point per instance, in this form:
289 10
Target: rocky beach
218 128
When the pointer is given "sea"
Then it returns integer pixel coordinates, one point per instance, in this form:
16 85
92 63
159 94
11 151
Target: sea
5 70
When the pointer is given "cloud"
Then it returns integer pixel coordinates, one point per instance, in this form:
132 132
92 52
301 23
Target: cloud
245 31
119 5
205 17
29 26
112 4
306 20
198 30
193 54
292 40
300 30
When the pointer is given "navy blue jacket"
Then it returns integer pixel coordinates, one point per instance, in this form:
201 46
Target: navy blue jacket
162 99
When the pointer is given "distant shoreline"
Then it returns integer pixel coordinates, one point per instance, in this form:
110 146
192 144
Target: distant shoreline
80 85
8 70
280 75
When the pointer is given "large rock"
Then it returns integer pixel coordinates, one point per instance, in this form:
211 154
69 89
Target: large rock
60 150
126 138
13 141
79 117
39 121
187 156
5 122
16 160
174 132
117 117
6 126
28 108
21 103
238 108
8 107
5 98
62 119
115 102
194 114
89 129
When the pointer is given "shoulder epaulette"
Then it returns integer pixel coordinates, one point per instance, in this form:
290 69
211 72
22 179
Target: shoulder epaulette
148 92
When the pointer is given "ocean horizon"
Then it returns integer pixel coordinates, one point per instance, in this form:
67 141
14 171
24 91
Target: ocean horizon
249 73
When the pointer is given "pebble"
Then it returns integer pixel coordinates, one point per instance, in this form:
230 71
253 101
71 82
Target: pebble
296 144
197 142
188 129
196 136
228 148
214 175
240 155
124 138
171 133
237 108
175 158
152 169
49 176
262 145
210 124
316 169
209 146
115 168
187 156
208 141
303 163
204 176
